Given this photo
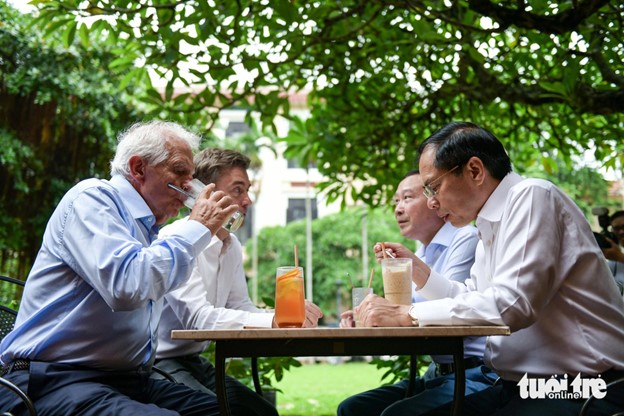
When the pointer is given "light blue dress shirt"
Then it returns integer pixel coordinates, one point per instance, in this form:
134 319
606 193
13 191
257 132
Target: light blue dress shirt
451 253
94 295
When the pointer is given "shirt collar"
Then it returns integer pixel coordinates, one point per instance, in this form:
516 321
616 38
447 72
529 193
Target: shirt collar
133 201
492 210
442 238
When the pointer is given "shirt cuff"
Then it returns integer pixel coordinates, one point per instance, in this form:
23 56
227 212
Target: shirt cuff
437 286
260 320
196 233
412 315
434 312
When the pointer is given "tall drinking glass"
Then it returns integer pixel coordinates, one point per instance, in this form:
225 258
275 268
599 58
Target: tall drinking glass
357 296
192 192
397 280
289 297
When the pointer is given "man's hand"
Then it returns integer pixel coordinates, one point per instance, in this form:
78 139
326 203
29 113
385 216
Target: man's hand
313 314
614 252
347 319
213 208
392 250
377 311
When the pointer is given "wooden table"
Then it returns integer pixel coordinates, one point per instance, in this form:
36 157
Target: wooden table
301 342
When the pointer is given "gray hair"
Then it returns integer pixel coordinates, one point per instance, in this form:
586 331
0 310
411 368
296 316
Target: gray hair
149 141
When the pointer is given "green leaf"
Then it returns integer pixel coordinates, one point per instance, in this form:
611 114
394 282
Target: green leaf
53 25
286 10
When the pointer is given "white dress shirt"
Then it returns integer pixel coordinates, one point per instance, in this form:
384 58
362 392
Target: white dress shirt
538 270
215 297
451 253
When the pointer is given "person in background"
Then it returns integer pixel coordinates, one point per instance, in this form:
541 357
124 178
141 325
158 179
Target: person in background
614 254
216 295
617 225
85 336
450 251
537 270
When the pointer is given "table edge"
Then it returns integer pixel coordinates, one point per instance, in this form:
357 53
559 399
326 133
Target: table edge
274 333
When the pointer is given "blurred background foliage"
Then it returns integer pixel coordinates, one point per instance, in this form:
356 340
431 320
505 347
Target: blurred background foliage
545 76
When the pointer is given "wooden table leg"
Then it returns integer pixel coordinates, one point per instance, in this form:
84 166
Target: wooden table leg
460 380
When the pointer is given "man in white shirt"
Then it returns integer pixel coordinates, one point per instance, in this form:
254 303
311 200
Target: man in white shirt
450 251
537 269
216 295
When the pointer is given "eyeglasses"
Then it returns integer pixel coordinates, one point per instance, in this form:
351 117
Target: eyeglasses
617 227
428 191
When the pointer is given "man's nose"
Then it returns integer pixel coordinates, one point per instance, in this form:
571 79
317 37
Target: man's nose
246 201
398 209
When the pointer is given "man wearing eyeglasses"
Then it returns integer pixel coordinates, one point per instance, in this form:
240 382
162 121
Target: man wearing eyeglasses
450 251
537 269
617 225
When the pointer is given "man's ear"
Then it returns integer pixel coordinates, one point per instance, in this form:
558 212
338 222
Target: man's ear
476 170
137 168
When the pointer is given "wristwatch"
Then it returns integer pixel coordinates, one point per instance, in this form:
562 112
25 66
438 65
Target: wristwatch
412 315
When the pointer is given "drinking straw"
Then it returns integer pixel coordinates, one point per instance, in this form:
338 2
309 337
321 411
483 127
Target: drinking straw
383 251
296 257
350 280
370 281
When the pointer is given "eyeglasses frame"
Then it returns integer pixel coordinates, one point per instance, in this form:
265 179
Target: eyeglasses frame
428 192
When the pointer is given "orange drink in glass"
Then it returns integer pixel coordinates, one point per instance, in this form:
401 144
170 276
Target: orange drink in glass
289 298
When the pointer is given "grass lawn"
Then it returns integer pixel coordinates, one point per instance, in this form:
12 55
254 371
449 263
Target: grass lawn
317 389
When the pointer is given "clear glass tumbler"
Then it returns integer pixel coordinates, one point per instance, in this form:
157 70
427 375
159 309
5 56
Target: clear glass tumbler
194 189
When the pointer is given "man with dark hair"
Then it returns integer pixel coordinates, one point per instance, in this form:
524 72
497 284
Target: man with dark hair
450 251
216 295
617 225
537 269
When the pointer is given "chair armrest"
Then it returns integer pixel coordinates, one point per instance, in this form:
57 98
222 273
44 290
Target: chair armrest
17 391
164 374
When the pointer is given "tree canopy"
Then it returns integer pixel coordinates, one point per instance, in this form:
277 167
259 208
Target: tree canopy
59 116
545 76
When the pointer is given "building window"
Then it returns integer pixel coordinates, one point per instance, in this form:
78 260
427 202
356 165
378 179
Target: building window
294 164
296 209
236 128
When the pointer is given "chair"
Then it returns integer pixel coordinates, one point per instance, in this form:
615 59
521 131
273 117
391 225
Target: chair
164 374
7 321
589 401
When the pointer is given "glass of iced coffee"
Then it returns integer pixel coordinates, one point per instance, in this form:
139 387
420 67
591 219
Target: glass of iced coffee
397 280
